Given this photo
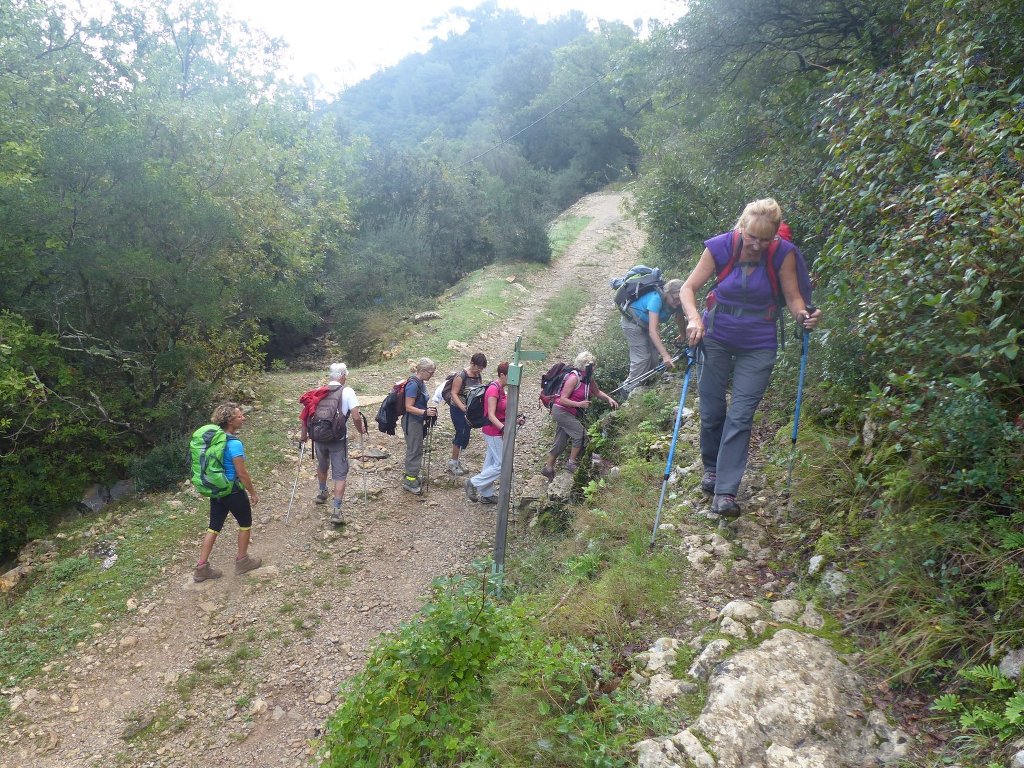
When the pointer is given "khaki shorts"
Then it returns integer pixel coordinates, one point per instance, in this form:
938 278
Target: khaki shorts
334 455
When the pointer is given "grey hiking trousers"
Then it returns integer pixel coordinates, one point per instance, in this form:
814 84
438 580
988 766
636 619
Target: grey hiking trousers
414 430
725 431
643 355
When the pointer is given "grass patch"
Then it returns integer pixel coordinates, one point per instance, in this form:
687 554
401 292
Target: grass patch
555 321
564 232
62 602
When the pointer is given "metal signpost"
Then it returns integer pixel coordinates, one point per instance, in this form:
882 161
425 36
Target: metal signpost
508 449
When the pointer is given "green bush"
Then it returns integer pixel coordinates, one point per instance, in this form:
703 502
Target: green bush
163 467
417 700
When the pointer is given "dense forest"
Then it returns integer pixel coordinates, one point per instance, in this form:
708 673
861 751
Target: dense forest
174 215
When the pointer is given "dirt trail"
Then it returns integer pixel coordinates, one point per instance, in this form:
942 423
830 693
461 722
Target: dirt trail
243 670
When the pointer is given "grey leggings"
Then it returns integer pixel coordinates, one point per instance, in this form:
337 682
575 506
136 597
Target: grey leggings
725 432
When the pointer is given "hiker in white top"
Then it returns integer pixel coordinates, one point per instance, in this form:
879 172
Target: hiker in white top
334 453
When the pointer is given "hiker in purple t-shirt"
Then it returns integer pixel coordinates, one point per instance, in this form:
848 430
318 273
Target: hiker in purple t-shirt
739 338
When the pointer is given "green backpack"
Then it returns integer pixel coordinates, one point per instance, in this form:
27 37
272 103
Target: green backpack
207 453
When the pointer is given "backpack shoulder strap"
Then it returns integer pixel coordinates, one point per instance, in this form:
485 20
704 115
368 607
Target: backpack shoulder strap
773 270
735 246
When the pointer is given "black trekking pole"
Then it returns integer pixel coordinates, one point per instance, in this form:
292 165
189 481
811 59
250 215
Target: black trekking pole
644 376
691 356
362 452
805 346
428 424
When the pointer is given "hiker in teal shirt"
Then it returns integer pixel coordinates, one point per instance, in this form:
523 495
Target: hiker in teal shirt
229 417
641 324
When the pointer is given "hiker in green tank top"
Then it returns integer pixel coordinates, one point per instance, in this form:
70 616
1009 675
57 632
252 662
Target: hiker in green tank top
229 417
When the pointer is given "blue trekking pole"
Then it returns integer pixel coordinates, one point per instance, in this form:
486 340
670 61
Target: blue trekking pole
805 345
690 358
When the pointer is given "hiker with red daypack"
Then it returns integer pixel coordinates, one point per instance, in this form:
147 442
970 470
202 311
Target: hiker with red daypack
642 322
755 272
325 414
480 487
579 389
417 418
229 417
452 393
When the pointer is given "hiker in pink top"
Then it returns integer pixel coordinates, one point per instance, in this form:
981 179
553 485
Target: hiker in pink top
480 487
579 390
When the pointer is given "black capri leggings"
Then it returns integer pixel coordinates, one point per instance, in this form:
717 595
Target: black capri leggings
237 503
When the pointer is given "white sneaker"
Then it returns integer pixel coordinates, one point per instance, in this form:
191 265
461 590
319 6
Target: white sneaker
455 467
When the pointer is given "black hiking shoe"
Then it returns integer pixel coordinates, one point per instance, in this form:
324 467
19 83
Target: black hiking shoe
471 492
725 505
707 481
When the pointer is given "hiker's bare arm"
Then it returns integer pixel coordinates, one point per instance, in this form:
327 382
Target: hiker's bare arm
703 272
410 407
653 322
794 300
243 475
456 393
599 395
358 420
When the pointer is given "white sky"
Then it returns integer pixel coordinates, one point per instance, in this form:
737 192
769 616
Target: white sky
344 41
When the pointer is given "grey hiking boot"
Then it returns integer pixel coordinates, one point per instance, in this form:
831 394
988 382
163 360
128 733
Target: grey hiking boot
321 497
246 564
412 486
456 468
206 571
471 492
725 505
708 480
337 517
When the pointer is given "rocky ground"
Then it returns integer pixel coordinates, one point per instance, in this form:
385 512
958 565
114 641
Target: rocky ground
244 670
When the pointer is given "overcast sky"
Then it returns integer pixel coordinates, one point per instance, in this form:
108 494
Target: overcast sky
344 41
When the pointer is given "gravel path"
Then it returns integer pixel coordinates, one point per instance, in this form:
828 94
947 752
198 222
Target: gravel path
242 671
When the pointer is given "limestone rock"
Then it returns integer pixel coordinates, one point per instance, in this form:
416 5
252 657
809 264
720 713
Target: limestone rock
1012 663
709 657
742 611
791 703
787 610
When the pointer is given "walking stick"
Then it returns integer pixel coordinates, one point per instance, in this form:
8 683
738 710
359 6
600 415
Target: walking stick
428 423
298 469
690 358
805 345
644 376
362 451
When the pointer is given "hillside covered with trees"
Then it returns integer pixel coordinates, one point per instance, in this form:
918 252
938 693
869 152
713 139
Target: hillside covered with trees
174 216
